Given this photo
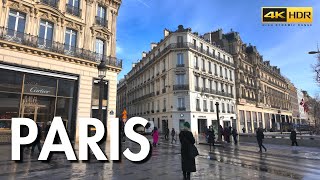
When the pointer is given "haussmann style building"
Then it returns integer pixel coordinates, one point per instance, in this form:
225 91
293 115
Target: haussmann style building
49 52
262 93
180 80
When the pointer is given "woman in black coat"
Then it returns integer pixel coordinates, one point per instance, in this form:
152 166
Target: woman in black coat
187 162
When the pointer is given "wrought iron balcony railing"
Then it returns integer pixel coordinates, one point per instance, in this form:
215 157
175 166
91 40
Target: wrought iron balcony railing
56 47
101 21
181 87
52 3
180 65
76 11
181 108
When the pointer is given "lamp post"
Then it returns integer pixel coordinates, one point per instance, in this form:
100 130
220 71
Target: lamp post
219 130
102 69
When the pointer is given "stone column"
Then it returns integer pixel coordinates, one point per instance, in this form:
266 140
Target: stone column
3 13
89 16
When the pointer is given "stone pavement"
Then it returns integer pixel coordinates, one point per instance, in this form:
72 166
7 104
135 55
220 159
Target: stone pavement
228 162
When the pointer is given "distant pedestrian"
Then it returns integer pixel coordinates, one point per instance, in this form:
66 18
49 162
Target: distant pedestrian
226 134
173 134
211 138
24 133
166 133
235 135
37 141
187 151
293 137
244 130
260 137
220 132
155 136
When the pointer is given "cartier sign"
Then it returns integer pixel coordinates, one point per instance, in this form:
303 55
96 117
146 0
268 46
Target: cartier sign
41 90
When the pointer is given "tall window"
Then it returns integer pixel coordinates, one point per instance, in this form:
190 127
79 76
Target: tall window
205 105
179 40
45 33
158 105
181 103
203 83
226 73
196 61
73 7
201 47
230 73
16 22
221 71
198 104
70 39
164 103
223 108
180 59
209 67
215 69
216 85
101 16
100 47
203 65
211 106
197 81
180 79
210 84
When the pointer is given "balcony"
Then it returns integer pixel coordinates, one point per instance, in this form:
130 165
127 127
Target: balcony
198 109
52 3
211 110
204 70
181 108
76 11
210 72
180 65
101 21
164 110
164 90
196 67
197 88
205 110
56 47
181 87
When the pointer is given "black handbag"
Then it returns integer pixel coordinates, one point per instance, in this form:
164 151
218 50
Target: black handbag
193 151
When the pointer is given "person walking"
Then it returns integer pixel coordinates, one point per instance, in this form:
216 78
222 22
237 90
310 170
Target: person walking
244 130
227 134
166 134
235 136
211 137
187 158
155 136
260 137
293 138
220 132
37 141
173 134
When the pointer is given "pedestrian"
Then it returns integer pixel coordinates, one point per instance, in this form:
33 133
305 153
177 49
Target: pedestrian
226 134
166 134
206 134
235 136
24 133
155 136
37 141
187 151
220 132
211 138
260 137
293 137
173 134
244 130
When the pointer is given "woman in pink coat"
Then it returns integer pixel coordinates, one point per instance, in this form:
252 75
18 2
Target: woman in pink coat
155 136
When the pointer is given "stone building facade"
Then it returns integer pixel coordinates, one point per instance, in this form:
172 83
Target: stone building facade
294 102
262 92
49 52
180 80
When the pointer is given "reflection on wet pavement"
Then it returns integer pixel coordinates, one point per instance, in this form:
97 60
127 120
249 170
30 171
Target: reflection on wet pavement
228 162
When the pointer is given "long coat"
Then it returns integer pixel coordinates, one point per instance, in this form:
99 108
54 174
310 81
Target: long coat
187 162
155 136
293 136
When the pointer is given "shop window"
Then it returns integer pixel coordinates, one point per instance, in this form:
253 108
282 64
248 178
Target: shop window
10 81
9 108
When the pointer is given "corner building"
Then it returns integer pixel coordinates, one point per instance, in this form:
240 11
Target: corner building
179 80
49 52
262 93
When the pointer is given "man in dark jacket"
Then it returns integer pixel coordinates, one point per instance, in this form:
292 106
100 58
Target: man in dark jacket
293 137
187 161
173 134
166 133
260 137
235 135
211 138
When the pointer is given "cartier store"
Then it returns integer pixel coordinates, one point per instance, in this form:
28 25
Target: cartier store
38 95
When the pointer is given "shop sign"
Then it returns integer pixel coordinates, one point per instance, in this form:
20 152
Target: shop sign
42 90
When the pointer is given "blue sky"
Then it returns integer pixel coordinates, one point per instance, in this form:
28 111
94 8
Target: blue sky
142 21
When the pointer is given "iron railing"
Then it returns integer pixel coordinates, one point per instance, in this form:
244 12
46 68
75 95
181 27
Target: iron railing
56 47
73 10
181 108
53 3
101 21
181 87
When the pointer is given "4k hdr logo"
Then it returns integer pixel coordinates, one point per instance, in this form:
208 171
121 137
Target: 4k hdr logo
286 14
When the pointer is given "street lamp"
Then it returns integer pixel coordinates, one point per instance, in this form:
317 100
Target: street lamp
314 52
219 130
102 69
